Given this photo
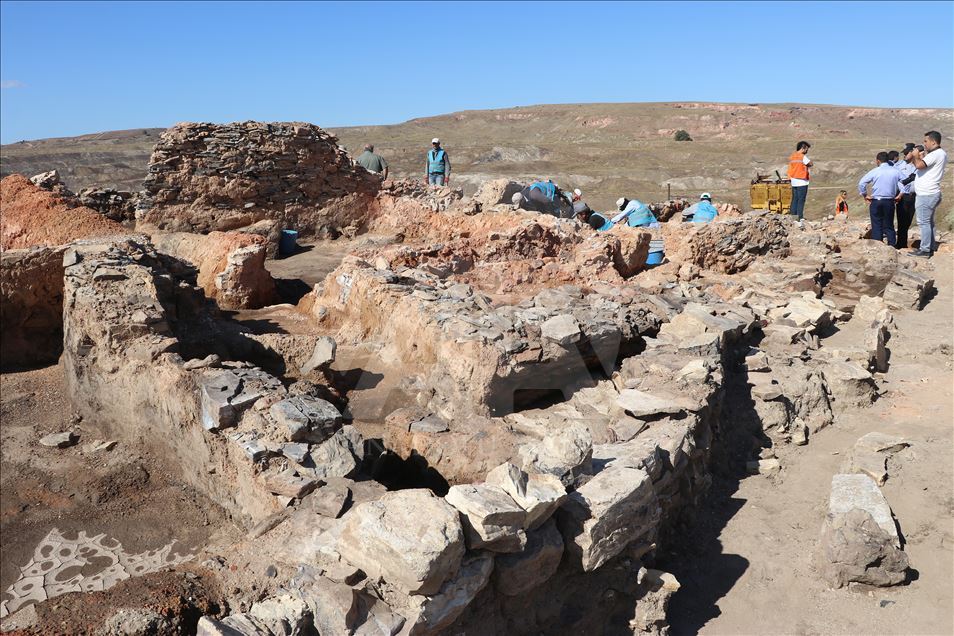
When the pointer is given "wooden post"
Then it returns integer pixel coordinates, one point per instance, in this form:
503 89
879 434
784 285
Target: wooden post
668 192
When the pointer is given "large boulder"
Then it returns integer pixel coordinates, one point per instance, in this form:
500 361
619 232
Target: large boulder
411 538
859 539
614 508
540 495
492 519
520 572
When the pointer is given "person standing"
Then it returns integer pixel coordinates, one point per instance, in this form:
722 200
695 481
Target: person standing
904 209
841 204
798 165
437 168
929 170
372 162
884 180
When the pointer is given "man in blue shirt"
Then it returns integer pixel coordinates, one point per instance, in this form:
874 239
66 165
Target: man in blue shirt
905 207
885 182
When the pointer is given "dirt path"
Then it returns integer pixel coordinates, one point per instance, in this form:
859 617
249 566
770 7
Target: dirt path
749 570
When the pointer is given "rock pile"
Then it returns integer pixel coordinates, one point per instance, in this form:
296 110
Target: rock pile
117 205
205 177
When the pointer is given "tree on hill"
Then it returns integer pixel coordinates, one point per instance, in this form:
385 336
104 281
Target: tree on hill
682 135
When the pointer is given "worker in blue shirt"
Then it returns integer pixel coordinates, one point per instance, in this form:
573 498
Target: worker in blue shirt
705 211
636 213
885 182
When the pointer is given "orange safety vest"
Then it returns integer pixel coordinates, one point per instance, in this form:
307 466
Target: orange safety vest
796 167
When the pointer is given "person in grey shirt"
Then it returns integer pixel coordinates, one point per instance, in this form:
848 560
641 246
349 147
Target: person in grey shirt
372 162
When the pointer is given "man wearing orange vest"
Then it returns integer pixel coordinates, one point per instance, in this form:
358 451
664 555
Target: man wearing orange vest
798 165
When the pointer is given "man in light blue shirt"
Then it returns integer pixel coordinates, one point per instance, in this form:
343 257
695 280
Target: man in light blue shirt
885 183
904 209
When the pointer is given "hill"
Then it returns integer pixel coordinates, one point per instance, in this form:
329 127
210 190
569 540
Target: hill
608 150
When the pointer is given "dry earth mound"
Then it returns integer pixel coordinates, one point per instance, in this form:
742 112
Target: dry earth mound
33 217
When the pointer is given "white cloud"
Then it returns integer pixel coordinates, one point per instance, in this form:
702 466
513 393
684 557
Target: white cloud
11 84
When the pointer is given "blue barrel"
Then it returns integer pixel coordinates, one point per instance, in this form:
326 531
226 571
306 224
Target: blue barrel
657 253
288 244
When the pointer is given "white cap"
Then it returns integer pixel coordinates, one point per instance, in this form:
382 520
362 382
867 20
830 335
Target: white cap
435 140
578 192
516 198
620 202
705 195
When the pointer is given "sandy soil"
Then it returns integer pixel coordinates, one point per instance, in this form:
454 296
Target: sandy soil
746 568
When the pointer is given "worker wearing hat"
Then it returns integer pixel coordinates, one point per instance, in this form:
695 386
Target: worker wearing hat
704 210
437 168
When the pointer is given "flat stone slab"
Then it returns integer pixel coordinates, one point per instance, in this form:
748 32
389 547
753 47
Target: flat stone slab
881 443
860 491
492 519
563 329
307 419
59 440
641 404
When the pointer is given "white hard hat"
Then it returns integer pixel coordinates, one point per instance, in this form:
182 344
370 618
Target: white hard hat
578 192
620 202
435 140
705 195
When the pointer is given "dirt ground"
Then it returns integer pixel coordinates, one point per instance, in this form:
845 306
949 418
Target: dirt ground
128 494
746 567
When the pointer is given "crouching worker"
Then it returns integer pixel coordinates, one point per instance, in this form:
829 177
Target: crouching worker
635 213
544 197
705 212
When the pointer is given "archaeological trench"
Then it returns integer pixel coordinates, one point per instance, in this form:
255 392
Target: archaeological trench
549 410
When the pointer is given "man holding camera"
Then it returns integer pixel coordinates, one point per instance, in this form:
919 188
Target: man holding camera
904 209
929 170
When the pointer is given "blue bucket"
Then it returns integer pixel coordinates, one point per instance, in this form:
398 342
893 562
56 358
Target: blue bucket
657 253
288 243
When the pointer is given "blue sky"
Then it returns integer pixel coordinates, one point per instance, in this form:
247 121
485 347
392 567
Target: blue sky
78 67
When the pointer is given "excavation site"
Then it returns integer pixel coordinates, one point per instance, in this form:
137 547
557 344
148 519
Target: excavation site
270 392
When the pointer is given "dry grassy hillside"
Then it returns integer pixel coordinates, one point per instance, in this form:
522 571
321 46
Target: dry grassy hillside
608 150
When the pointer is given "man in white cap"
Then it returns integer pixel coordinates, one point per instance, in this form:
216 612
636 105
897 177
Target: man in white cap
437 168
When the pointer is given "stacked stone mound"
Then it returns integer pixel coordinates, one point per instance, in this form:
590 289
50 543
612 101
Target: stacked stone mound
32 216
728 246
205 177
231 266
31 306
117 205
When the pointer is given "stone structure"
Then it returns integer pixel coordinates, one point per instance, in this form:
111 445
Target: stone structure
205 177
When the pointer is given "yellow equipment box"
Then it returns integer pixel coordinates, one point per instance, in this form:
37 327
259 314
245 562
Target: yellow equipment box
773 195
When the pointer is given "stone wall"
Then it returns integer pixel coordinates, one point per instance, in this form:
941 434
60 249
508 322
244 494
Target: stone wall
31 306
205 177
